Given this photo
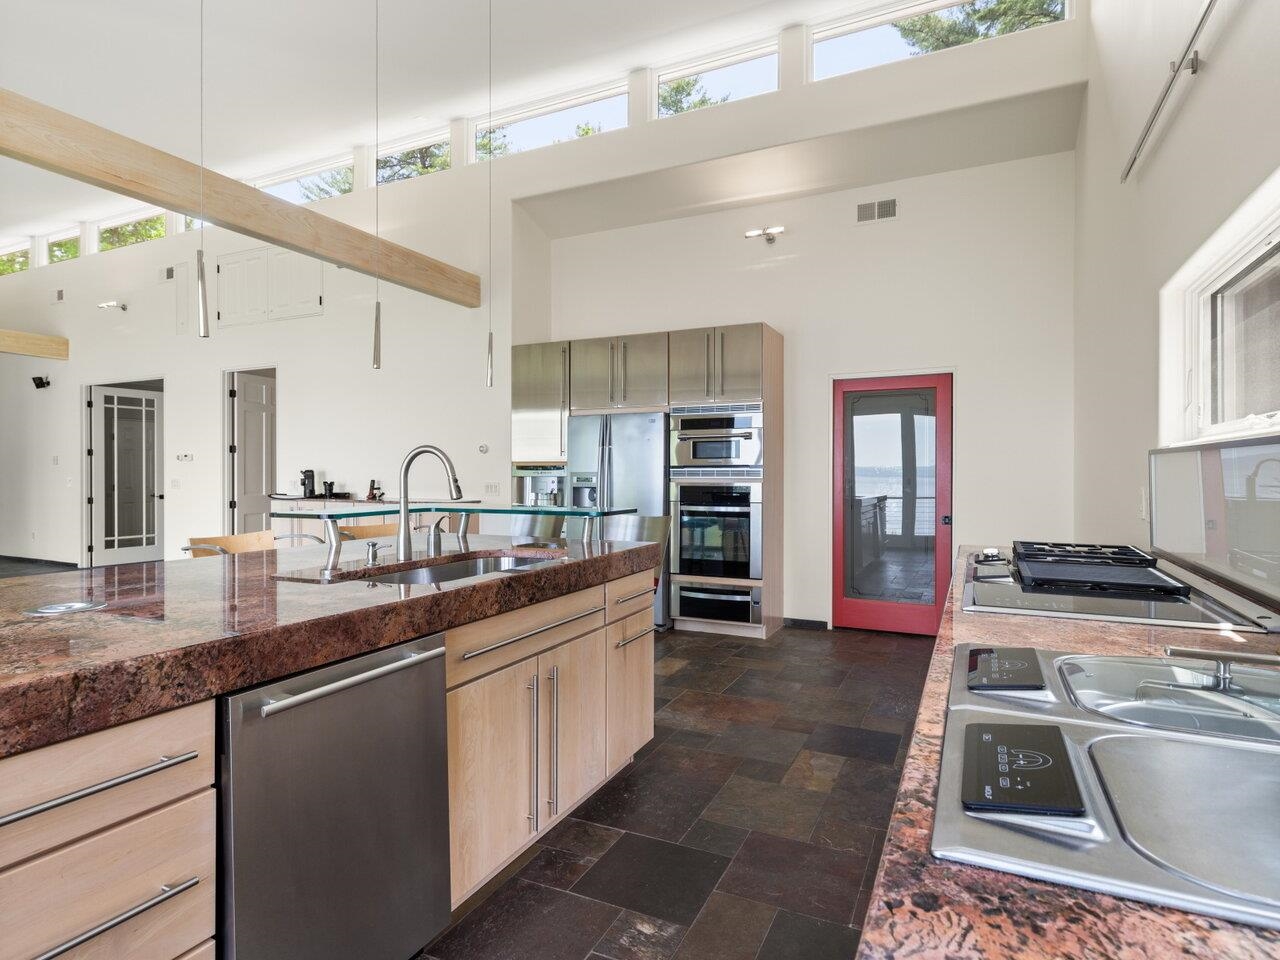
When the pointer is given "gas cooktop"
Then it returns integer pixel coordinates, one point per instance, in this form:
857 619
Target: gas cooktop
1099 553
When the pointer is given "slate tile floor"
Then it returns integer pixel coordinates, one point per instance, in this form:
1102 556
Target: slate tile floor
749 828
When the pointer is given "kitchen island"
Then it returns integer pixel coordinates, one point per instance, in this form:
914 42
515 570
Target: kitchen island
922 907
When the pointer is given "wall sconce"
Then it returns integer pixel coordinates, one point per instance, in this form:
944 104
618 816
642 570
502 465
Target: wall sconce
770 234
113 305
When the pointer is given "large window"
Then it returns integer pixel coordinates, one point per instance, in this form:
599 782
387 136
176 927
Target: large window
685 90
552 126
844 49
1244 343
134 231
15 262
414 161
332 182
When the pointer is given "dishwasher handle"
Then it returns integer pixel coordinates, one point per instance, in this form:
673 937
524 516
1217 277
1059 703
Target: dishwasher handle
316 693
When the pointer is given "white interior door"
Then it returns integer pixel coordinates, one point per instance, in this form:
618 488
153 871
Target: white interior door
254 442
126 470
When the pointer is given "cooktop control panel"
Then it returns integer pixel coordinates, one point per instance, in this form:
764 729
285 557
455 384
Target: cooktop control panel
1019 768
1004 668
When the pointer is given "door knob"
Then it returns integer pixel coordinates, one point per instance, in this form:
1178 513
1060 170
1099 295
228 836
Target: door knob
946 520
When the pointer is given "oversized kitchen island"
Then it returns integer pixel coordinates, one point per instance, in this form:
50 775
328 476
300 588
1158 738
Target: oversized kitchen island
108 792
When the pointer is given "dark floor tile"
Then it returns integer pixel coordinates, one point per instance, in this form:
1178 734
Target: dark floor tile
846 713
758 742
556 868
715 837
885 724
662 795
814 771
794 723
759 666
669 665
524 919
837 830
580 837
766 686
653 877
729 928
871 745
897 705
690 738
863 794
762 770
660 702
714 712
19 567
767 807
705 675
634 936
797 937
815 675
796 876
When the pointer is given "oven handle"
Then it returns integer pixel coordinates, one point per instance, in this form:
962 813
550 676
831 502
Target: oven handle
736 598
741 511
736 435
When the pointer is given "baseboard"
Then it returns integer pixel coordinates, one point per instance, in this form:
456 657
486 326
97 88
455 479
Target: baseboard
793 623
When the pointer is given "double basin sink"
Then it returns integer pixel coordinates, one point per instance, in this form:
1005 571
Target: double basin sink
462 570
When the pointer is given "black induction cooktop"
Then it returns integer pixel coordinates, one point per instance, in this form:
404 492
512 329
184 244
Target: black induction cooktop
1019 768
1004 668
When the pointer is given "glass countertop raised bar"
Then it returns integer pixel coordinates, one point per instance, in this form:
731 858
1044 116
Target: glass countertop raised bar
448 506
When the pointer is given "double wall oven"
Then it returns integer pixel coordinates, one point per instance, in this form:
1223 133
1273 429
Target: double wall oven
719 541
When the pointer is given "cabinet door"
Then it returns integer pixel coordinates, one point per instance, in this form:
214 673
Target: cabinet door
629 686
539 401
573 721
690 365
739 373
296 284
642 371
591 373
492 740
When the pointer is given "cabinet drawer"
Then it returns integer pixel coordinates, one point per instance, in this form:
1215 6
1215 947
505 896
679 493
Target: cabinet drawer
56 794
132 878
629 595
205 951
479 648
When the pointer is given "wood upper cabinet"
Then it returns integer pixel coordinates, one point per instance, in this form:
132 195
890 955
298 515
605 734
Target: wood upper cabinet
717 364
492 739
629 687
572 723
618 372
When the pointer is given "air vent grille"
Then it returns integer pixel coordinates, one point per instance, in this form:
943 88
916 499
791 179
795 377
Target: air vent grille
877 210
866 212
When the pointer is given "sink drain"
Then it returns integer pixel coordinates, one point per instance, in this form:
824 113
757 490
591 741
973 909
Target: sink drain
57 609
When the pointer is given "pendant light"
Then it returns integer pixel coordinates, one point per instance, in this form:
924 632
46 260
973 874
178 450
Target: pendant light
202 281
488 366
377 195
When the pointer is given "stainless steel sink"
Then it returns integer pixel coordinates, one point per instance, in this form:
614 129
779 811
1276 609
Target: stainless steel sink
462 569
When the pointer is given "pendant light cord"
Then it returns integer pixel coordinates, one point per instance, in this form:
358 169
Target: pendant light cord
489 355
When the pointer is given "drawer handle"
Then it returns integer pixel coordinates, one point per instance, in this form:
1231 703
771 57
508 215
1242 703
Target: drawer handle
164 763
635 596
288 703
642 633
167 892
532 633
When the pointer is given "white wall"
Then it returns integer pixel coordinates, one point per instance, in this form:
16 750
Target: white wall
975 277
1220 141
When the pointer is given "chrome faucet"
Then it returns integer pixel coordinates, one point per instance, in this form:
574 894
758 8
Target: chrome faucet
404 539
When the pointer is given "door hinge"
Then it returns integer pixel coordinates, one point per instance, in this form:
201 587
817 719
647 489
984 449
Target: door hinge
231 394
218 315
91 548
89 452
89 404
218 268
89 501
321 300
232 504
231 449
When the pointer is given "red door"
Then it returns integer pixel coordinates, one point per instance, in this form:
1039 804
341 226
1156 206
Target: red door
891 495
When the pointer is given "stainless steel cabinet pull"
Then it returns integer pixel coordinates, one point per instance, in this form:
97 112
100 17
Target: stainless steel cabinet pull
554 800
743 435
164 763
167 892
298 699
532 633
564 394
635 596
624 371
735 597
611 371
643 633
722 363
707 369
533 773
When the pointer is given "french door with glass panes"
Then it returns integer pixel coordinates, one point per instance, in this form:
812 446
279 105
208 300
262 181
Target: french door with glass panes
891 550
126 493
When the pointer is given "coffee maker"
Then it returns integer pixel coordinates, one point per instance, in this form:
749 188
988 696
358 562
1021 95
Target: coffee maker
309 484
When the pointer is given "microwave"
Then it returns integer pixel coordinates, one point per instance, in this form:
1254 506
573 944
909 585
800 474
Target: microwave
714 439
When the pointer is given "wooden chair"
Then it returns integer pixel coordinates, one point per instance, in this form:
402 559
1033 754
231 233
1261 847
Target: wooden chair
241 543
369 530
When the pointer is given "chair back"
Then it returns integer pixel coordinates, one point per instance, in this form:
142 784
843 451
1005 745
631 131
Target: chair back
233 543
368 531
539 527
631 526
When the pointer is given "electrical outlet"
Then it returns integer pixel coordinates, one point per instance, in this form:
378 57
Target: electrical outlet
1142 503
55 460
185 457
492 489
174 485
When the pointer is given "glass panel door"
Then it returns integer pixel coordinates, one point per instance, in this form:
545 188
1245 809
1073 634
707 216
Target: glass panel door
890 531
126 496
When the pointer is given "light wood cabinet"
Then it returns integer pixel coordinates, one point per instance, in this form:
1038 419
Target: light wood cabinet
492 803
572 722
629 685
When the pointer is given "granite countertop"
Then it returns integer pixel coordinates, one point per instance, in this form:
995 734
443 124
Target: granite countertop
922 907
174 633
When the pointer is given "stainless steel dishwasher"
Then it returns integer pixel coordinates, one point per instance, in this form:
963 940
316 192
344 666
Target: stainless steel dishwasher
335 810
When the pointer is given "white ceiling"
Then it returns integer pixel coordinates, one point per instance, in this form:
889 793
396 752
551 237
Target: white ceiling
287 82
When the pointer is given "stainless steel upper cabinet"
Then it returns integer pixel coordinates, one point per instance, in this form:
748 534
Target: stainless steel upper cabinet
618 372
717 364
539 401
592 373
642 370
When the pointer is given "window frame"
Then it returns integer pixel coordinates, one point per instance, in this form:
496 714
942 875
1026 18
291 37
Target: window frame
309 170
542 108
414 142
730 57
134 217
73 235
11 251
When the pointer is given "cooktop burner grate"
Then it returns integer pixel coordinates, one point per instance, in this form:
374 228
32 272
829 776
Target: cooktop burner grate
1117 555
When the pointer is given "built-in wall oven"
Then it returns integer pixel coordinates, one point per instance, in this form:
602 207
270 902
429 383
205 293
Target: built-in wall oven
725 435
715 601
718 527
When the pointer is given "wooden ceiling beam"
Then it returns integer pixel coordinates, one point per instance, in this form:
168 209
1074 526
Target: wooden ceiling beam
75 148
34 345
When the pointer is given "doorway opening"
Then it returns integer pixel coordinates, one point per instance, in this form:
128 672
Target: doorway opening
250 460
891 545
124 469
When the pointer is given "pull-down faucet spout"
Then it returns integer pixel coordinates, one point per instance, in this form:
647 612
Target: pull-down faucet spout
404 539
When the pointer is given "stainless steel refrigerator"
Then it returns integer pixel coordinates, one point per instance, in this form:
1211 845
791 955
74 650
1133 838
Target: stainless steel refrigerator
616 461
